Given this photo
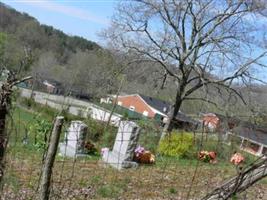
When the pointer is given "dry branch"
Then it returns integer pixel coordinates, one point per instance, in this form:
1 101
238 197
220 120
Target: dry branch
245 179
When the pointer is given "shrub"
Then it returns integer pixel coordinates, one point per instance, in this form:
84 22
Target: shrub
40 129
176 144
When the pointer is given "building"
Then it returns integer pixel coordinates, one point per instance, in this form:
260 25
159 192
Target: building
251 138
211 121
50 86
156 109
215 122
144 105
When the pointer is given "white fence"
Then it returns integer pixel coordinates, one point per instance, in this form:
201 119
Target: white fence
72 105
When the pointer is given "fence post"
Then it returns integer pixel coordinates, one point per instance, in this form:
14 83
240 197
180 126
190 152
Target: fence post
44 185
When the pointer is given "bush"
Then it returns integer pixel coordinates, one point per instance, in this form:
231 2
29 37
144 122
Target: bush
176 144
39 129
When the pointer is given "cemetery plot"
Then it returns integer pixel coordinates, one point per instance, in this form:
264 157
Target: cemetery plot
85 177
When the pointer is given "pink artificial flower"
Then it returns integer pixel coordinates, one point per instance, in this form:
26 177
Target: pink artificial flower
139 151
237 158
212 155
103 150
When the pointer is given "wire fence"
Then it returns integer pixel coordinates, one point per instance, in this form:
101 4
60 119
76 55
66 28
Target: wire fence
81 172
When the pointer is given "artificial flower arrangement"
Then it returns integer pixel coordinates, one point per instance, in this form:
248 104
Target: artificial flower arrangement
104 150
90 147
237 158
143 156
207 156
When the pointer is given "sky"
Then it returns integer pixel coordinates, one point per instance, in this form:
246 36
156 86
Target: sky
84 18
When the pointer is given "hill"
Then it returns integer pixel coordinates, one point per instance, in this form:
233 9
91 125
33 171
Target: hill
71 60
84 67
27 29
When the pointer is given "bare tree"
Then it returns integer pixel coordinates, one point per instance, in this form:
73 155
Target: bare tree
202 44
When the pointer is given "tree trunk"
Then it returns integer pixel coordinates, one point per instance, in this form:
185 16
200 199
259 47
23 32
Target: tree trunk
241 182
44 186
114 105
174 110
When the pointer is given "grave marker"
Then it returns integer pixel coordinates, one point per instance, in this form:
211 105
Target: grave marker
75 139
122 153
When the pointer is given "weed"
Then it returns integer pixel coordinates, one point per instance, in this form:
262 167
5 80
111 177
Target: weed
95 180
172 190
108 191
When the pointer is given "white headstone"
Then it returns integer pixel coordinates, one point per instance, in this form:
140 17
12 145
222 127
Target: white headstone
123 150
74 139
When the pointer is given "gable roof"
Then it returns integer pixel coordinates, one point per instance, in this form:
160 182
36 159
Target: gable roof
157 104
163 107
244 129
252 132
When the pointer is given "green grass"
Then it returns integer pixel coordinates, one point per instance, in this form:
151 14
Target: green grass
22 115
109 191
22 119
168 176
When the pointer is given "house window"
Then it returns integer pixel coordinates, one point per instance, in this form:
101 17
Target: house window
119 103
254 147
145 113
250 146
264 151
132 108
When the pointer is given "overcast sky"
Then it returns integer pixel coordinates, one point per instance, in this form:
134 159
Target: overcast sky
75 17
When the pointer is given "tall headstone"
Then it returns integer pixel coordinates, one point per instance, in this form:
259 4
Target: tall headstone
122 153
74 141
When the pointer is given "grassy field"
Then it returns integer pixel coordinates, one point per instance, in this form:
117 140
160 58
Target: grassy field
89 178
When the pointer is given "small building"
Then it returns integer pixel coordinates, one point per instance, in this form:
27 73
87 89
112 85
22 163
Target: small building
46 85
211 121
50 88
108 99
215 122
251 138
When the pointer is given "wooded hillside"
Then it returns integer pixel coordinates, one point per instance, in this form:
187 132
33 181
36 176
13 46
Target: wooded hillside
85 67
